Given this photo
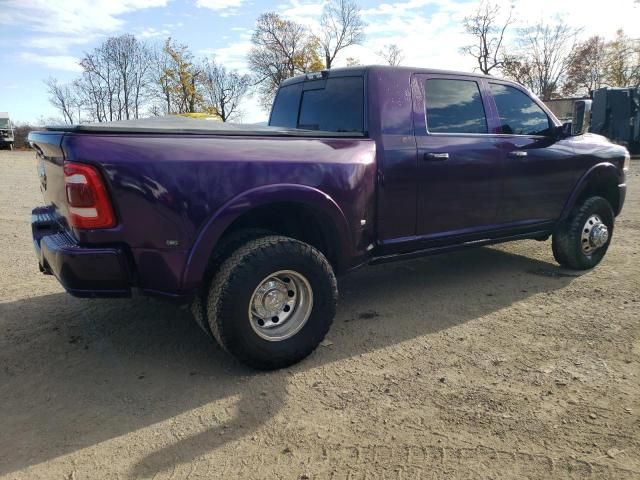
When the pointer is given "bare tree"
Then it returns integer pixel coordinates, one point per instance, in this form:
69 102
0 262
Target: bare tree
543 58
99 84
281 49
141 77
93 96
488 29
392 54
223 90
160 82
586 69
341 26
623 61
115 78
130 59
64 98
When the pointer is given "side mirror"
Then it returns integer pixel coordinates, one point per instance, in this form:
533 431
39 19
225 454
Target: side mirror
581 117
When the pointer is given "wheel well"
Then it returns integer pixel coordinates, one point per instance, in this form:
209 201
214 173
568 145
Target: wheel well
601 186
296 221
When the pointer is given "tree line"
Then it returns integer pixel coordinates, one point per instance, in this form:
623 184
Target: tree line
126 78
548 57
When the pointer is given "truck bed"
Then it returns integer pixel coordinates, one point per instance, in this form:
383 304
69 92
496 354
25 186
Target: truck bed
192 126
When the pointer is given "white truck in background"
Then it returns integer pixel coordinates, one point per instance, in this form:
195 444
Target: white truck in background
6 131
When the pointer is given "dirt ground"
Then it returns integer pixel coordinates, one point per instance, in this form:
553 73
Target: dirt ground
489 363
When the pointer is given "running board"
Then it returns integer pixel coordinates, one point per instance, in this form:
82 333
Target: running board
457 246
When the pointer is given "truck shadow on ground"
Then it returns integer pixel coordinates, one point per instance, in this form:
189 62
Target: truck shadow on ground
79 372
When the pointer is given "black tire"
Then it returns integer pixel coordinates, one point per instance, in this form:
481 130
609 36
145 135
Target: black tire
567 241
225 247
233 287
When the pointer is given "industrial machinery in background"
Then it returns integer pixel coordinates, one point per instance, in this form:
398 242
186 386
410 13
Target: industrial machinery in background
615 113
6 131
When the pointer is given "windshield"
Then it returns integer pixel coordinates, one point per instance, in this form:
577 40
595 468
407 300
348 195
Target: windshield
5 123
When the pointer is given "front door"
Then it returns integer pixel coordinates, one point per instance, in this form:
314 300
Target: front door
540 167
459 164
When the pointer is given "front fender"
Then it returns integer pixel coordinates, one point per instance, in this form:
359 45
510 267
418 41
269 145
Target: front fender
608 172
215 227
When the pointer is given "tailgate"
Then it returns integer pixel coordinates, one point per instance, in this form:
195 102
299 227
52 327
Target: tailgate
50 170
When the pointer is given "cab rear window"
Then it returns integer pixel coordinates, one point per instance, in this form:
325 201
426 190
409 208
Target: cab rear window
331 105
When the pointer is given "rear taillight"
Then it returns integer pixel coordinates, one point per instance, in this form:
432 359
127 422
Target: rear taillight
87 197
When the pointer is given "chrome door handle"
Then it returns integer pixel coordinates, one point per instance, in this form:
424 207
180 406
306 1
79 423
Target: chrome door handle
518 154
436 156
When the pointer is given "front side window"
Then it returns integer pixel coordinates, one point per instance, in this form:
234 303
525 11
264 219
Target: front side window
519 114
454 106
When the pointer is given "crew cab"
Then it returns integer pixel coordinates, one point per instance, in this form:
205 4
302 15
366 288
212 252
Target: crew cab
357 166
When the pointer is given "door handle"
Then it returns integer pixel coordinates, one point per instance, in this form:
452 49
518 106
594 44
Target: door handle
517 154
436 156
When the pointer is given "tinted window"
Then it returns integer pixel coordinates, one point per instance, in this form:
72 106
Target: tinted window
285 107
454 106
338 107
519 114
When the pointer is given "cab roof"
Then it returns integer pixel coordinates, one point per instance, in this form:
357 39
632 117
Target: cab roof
360 70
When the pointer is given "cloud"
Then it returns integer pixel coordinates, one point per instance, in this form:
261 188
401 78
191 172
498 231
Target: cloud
79 18
304 12
66 24
151 32
234 55
218 4
593 16
58 43
428 32
53 62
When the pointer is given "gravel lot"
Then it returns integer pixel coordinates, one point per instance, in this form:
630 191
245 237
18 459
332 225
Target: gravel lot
489 363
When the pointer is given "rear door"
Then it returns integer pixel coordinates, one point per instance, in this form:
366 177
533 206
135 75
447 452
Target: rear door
459 163
540 167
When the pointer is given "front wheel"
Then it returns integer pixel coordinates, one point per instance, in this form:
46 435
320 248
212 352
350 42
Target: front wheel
582 240
272 301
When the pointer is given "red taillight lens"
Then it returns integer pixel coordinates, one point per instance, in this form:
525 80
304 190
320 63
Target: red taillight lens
87 197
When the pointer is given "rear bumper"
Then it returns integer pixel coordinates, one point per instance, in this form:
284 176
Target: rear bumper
83 272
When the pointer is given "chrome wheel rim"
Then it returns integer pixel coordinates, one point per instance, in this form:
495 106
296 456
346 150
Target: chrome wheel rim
595 235
280 305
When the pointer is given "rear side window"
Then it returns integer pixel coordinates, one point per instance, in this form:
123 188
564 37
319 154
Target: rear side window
285 107
338 107
519 114
454 106
332 105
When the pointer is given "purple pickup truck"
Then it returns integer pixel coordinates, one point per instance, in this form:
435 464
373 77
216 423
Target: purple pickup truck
358 166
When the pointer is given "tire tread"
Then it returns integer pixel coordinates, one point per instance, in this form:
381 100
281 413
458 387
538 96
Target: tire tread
239 263
566 240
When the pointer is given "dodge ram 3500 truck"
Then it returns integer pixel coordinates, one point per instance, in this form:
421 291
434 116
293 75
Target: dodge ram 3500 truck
358 166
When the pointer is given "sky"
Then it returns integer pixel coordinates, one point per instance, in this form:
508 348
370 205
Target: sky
46 38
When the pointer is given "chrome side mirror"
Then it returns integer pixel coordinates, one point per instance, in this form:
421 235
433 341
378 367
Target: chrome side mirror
581 117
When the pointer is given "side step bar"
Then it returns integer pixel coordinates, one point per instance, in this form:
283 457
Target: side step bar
458 246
